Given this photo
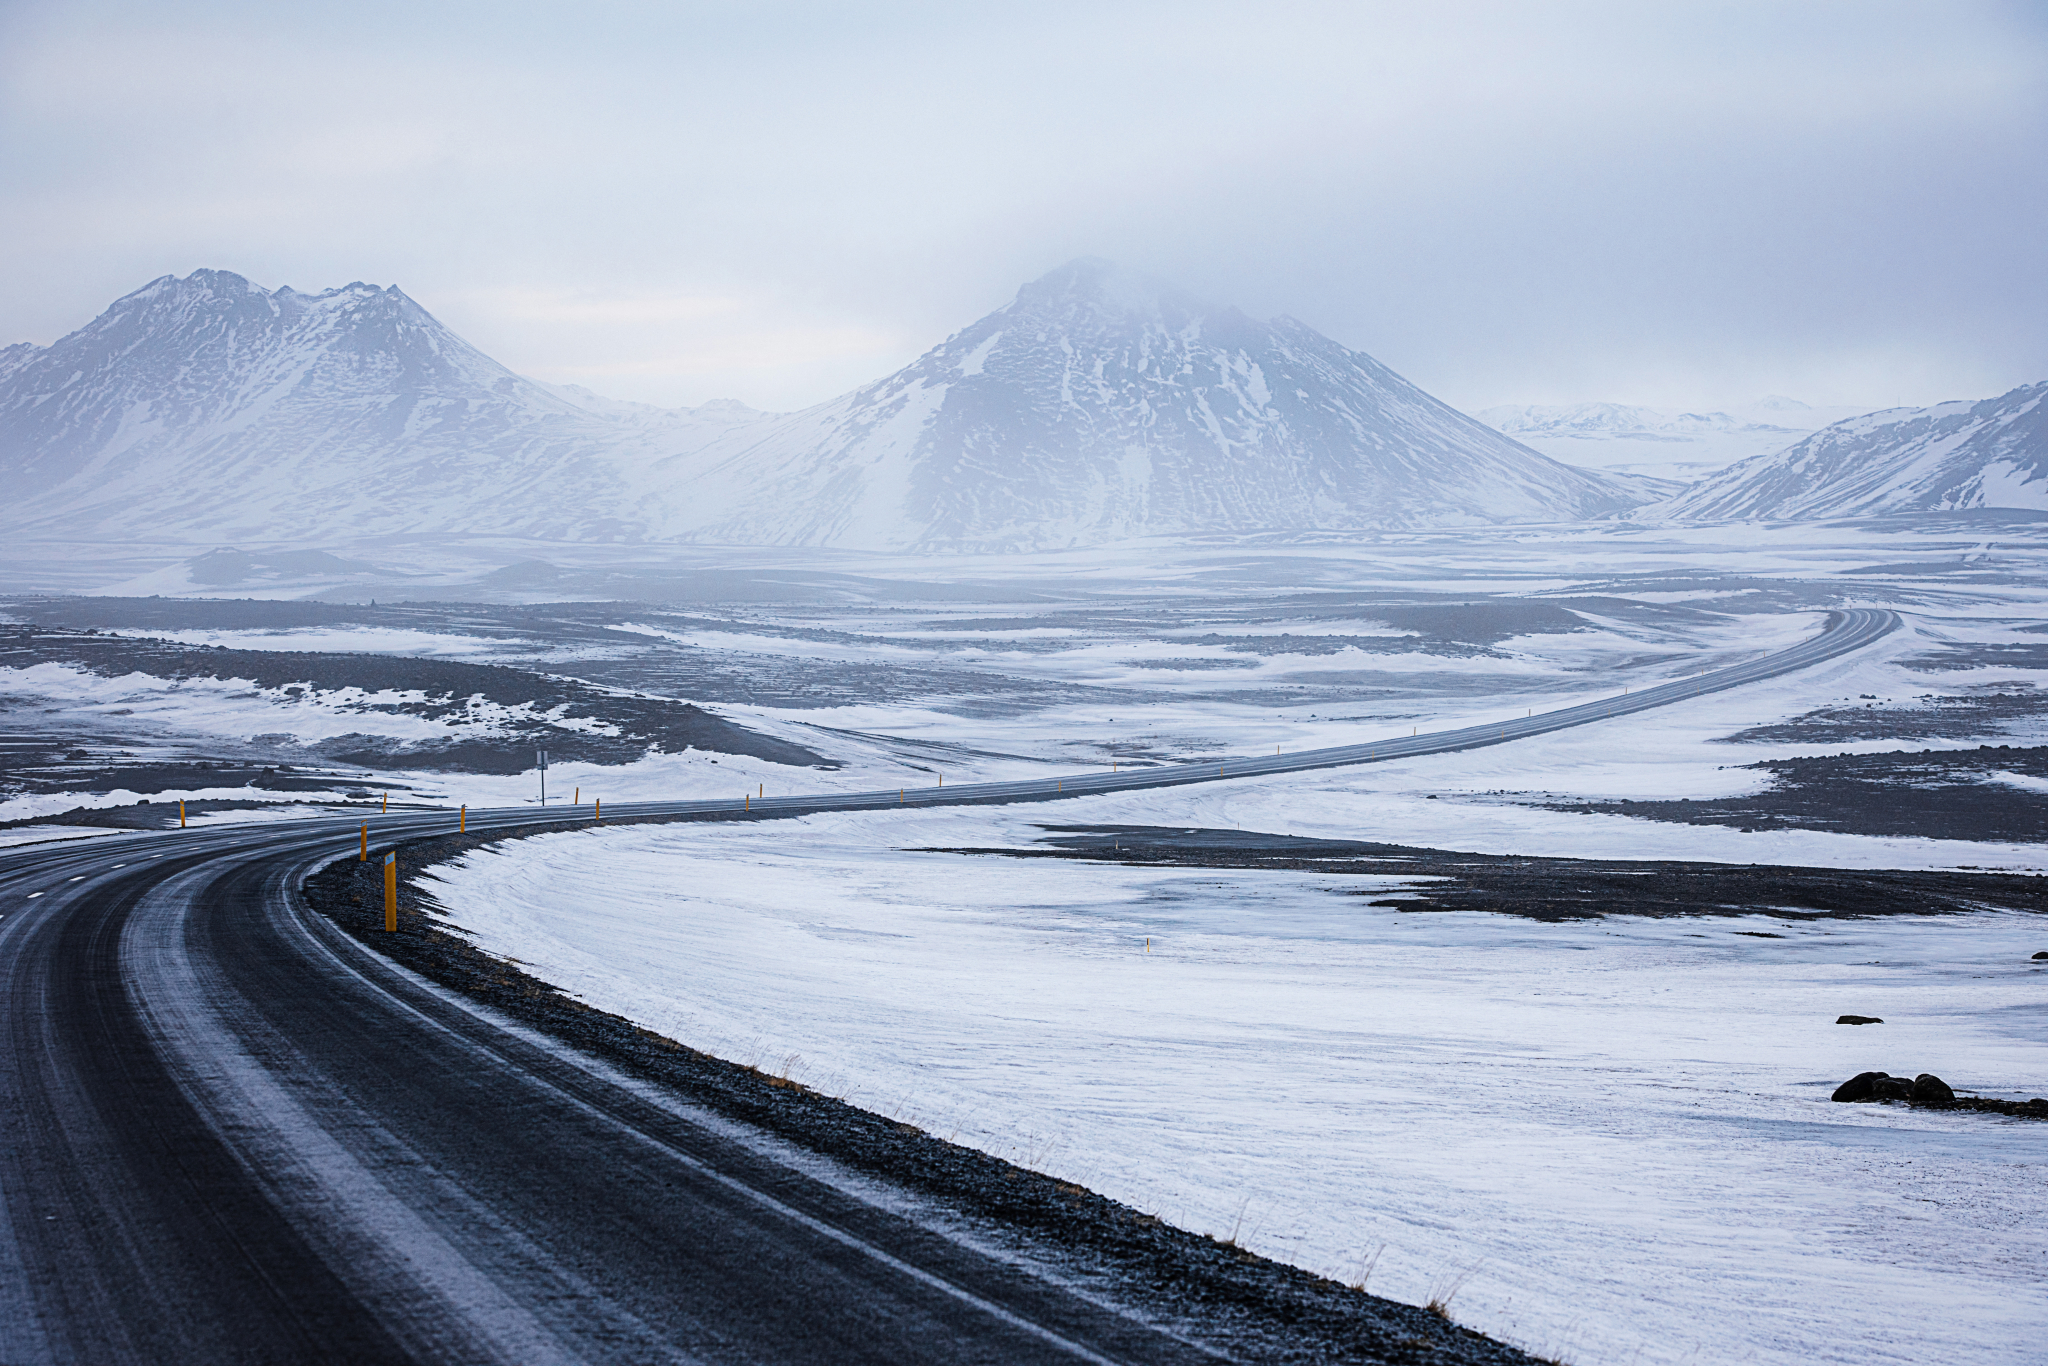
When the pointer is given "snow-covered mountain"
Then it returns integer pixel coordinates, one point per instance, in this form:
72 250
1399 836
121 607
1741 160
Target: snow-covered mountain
212 409
1598 421
1098 405
1623 437
1992 454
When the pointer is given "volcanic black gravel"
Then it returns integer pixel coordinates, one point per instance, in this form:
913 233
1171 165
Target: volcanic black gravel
1552 889
1938 794
1968 714
1241 1304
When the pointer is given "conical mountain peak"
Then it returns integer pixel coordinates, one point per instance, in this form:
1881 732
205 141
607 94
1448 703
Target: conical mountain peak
1103 404
1090 286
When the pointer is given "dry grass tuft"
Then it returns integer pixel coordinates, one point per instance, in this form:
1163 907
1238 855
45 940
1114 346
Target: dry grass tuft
1365 1269
1445 1290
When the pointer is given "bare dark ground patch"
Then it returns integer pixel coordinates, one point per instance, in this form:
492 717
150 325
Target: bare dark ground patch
1250 1308
1552 889
1936 794
570 718
1968 714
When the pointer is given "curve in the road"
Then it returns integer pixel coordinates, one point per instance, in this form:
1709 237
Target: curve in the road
235 1135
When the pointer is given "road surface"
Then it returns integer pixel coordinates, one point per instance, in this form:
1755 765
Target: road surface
232 1134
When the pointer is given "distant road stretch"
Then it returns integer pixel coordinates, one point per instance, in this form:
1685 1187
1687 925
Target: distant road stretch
1845 631
233 1134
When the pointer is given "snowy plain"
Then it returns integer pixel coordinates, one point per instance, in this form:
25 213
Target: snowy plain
1613 1136
1615 1132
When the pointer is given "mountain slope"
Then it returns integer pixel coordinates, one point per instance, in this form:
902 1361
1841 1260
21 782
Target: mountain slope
1101 405
1952 456
1098 405
211 408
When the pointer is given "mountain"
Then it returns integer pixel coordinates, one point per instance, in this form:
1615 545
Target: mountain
1992 454
1618 437
1098 405
212 409
1598 421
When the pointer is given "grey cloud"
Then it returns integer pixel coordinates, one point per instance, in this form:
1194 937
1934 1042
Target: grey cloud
1667 205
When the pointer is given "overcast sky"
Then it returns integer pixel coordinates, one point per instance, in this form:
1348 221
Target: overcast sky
1658 203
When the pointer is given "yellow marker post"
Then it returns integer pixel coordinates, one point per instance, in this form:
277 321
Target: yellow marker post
364 857
391 891
577 800
387 803
899 796
463 828
599 801
746 801
181 815
763 792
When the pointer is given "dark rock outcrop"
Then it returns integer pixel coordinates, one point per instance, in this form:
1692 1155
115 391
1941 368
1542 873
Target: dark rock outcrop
1931 1091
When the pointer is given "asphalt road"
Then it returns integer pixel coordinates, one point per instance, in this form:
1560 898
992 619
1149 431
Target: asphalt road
232 1134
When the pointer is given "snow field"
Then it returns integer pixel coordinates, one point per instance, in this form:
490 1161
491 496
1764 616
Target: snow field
1616 1133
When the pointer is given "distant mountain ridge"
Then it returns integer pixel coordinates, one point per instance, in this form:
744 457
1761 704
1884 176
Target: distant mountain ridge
1601 420
1950 457
1618 438
1098 405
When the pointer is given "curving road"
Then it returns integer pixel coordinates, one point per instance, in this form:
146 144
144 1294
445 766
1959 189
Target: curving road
233 1134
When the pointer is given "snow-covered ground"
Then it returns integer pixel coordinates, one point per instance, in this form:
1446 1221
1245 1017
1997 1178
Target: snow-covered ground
1089 717
1613 1136
1619 1129
1030 665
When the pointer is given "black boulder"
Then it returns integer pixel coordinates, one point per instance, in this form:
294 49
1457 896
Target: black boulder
1932 1091
1862 1086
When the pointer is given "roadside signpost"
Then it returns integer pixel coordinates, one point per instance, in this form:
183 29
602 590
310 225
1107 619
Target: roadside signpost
540 761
